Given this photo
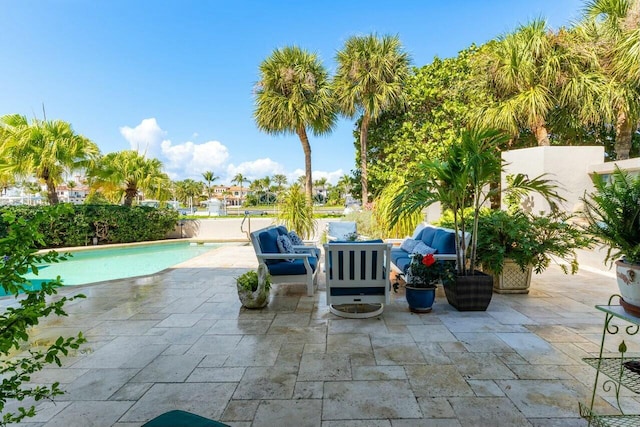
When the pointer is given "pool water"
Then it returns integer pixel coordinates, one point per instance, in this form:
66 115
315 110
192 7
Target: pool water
97 265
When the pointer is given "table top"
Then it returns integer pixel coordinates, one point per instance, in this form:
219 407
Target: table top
619 312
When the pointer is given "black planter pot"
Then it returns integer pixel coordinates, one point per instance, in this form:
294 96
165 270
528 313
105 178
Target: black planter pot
470 293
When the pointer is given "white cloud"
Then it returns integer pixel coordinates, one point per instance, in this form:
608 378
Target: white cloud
256 169
145 138
332 177
191 159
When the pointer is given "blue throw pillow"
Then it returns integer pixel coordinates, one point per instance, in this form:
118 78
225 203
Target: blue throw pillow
285 246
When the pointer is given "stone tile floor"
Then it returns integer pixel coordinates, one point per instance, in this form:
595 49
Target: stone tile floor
180 340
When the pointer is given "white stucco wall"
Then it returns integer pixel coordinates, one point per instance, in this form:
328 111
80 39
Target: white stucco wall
568 166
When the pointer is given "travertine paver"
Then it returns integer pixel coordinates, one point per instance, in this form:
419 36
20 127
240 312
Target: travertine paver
181 340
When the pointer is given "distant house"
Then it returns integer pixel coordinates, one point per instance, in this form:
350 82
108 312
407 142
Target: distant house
76 195
232 195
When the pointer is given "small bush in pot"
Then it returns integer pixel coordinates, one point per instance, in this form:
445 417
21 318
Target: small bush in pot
528 240
253 292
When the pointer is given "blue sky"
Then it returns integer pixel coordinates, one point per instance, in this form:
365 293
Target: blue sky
176 78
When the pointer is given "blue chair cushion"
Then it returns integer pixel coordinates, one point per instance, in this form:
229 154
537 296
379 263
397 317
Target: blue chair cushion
291 268
182 418
282 230
268 240
444 242
427 234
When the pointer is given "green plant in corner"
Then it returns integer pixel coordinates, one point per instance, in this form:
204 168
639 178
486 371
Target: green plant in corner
528 240
18 247
461 181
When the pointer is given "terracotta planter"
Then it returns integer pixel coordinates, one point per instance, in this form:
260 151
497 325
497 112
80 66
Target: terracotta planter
628 276
420 300
470 293
512 280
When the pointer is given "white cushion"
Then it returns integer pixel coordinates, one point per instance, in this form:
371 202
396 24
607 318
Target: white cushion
408 245
423 249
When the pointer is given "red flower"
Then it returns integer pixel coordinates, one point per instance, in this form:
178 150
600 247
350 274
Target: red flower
428 260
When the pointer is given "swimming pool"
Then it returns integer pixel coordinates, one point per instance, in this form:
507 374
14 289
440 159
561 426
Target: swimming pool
100 264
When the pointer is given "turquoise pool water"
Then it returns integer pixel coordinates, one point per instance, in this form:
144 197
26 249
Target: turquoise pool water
100 264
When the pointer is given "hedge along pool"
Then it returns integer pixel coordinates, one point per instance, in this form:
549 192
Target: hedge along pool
101 264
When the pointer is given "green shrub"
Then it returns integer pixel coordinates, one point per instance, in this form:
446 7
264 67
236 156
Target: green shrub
110 223
19 254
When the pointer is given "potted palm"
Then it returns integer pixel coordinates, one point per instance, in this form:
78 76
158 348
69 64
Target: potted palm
421 280
612 212
514 244
462 182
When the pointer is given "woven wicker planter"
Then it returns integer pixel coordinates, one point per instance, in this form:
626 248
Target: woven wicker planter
470 293
512 280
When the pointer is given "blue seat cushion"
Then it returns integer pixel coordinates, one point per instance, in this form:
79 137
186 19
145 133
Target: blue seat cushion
444 242
400 259
182 418
427 234
291 268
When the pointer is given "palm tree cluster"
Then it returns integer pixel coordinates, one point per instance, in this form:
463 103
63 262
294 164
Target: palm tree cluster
295 93
578 85
584 77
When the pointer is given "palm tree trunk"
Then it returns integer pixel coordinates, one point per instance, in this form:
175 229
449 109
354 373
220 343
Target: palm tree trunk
364 180
52 194
306 147
542 136
129 195
624 134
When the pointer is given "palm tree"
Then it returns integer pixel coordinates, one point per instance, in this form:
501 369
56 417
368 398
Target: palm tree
239 179
522 70
127 173
613 27
209 177
44 148
369 80
293 96
188 192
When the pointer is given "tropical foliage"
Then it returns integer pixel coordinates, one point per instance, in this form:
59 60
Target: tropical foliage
78 224
122 175
293 96
295 213
612 211
45 149
17 323
461 181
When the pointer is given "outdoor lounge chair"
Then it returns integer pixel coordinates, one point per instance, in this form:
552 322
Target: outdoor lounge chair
439 239
357 275
300 266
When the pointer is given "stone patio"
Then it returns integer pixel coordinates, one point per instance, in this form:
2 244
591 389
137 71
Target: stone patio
181 340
